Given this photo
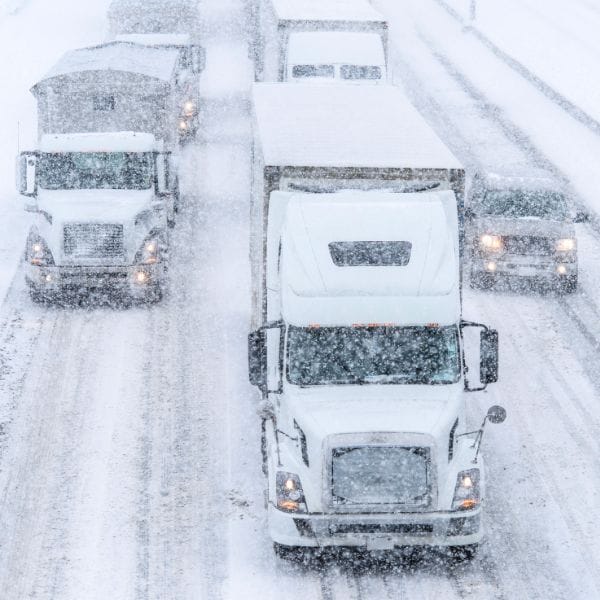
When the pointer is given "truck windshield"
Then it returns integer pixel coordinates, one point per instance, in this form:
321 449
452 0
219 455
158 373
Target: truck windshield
96 170
360 72
539 204
378 354
307 71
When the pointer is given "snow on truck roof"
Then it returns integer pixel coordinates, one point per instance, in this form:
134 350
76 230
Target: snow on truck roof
158 63
155 39
322 285
332 10
335 47
341 126
120 141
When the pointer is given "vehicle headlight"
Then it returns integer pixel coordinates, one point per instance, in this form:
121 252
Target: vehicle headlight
189 108
491 242
150 252
290 496
38 252
467 494
566 244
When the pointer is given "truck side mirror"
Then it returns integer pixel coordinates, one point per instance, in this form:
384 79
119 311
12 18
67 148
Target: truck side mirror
257 358
198 59
488 356
162 173
581 217
496 414
26 174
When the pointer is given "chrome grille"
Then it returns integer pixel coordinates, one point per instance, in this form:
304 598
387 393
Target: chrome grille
528 244
93 240
381 477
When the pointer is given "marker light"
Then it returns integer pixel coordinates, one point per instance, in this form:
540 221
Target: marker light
566 245
188 108
141 277
561 270
491 267
491 242
182 125
290 496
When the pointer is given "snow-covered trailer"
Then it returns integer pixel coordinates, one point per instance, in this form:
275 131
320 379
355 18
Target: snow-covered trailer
117 86
155 16
322 138
275 21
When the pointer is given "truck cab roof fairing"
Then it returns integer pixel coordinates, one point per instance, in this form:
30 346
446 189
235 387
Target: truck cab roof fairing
333 10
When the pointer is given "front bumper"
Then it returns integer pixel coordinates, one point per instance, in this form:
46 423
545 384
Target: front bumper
133 279
376 531
543 267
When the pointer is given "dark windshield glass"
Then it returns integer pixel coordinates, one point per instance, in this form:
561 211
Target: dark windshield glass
524 203
360 72
95 170
299 71
379 354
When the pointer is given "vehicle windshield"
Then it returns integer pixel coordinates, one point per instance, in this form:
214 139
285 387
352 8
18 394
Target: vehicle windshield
524 203
308 71
378 354
360 72
95 170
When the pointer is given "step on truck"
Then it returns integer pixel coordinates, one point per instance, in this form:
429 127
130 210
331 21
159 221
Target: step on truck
168 24
311 40
359 347
103 182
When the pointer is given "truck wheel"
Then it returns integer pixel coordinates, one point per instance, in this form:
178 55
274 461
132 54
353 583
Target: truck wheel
153 295
37 295
567 285
463 553
296 554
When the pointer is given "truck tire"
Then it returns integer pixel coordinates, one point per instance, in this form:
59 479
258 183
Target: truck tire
38 296
297 554
463 553
567 285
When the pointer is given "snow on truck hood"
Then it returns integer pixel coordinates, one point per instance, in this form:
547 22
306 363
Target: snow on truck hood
114 141
317 291
333 10
100 206
331 410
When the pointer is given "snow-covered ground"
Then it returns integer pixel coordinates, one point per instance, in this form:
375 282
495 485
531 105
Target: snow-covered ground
129 445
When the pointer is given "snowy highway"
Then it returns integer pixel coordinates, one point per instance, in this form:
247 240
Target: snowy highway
130 462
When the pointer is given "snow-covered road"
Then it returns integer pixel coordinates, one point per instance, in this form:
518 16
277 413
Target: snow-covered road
129 445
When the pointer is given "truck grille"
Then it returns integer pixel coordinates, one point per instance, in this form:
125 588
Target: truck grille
397 528
380 478
529 245
93 240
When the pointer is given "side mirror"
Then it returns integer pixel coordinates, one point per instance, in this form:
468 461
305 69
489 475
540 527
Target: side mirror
469 214
488 356
581 217
162 173
198 59
496 414
257 358
26 174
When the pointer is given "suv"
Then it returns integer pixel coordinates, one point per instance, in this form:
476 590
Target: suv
521 227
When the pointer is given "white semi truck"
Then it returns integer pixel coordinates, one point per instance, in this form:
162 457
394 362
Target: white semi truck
103 183
308 40
359 343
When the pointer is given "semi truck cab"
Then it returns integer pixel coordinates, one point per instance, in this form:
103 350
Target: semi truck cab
362 371
101 203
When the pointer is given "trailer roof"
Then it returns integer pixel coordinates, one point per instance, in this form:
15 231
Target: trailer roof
111 141
127 57
335 47
331 10
345 126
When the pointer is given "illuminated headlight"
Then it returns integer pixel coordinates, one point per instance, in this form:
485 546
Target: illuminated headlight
290 496
467 494
491 242
38 253
566 245
183 125
189 108
149 253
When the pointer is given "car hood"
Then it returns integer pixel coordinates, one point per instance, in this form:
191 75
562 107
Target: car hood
523 227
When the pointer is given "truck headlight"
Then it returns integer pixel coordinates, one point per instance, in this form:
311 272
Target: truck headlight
467 494
566 245
290 496
189 108
491 242
38 252
149 253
